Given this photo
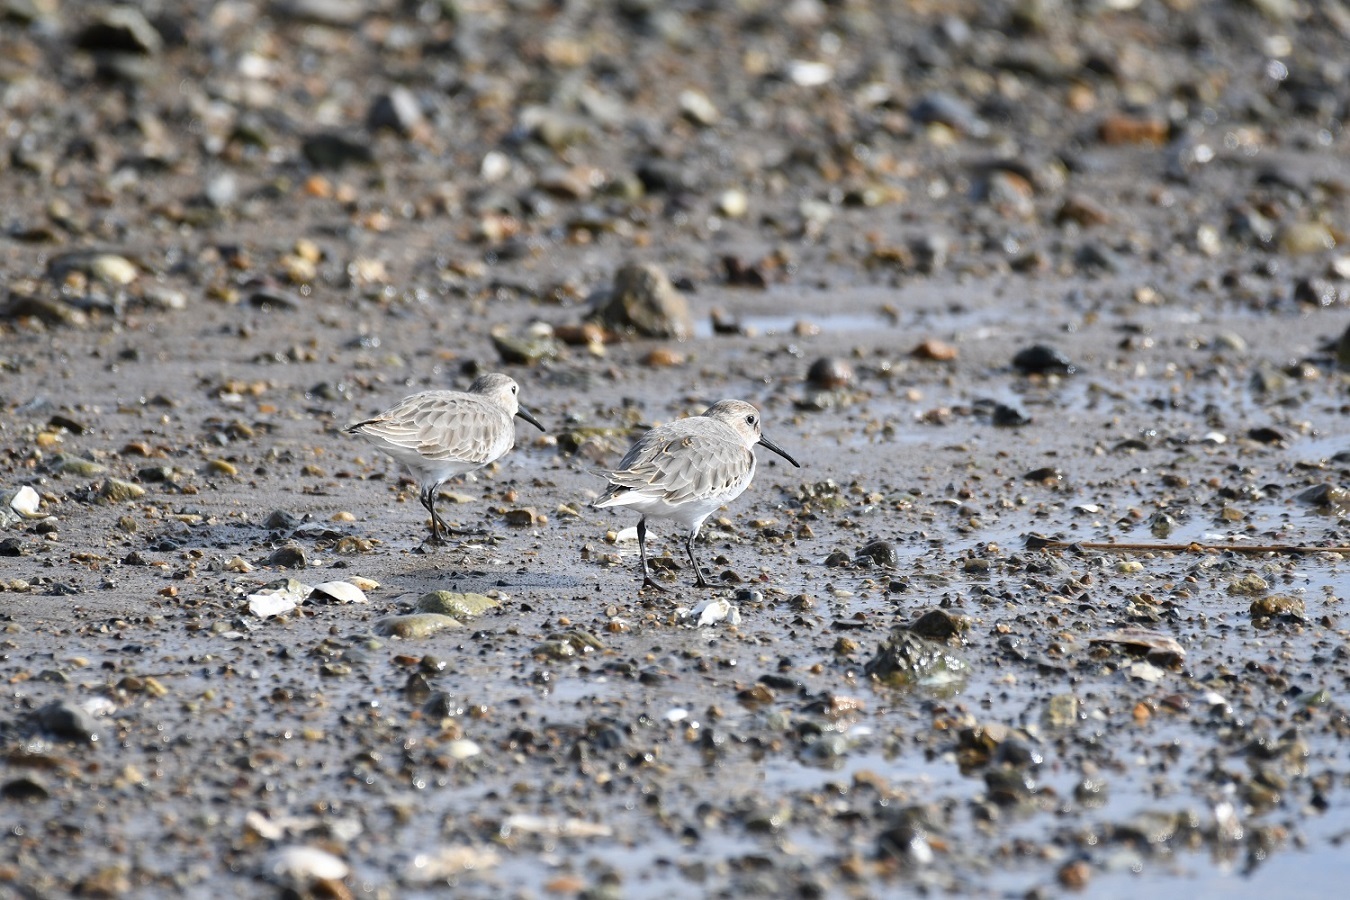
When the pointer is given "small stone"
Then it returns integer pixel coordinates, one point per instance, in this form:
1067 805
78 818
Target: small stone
221 467
120 29
644 302
397 111
525 349
946 109
1305 237
830 373
334 151
879 553
81 468
941 624
1039 359
1120 129
698 108
524 517
663 358
24 788
456 605
415 626
68 721
117 491
733 203
290 556
934 350
1155 646
1282 606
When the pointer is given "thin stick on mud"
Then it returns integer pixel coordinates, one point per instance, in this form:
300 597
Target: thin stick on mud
1035 542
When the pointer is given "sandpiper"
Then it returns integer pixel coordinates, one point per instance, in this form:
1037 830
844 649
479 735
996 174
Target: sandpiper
684 470
440 434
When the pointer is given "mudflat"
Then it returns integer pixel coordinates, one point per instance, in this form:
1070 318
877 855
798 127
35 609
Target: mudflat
1046 298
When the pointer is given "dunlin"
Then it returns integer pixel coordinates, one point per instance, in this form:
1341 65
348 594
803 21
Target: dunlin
440 434
684 470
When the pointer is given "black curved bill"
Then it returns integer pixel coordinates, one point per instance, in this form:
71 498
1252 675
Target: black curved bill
524 413
779 450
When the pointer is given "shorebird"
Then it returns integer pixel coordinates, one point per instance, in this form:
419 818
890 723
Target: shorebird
684 470
440 434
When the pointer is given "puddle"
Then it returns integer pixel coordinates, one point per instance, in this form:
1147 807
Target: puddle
777 325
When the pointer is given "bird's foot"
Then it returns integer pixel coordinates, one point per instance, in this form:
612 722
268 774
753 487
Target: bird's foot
649 582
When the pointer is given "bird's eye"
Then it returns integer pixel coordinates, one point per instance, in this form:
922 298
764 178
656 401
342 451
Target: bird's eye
515 389
750 420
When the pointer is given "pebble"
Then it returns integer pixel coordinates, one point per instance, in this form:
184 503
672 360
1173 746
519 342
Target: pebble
82 468
829 373
1305 237
115 490
415 626
643 302
1274 606
289 556
120 29
67 721
398 110
456 605
1040 359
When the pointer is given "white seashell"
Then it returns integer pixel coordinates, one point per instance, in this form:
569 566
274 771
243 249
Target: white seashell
710 612
273 601
300 866
25 502
264 606
341 591
463 749
449 861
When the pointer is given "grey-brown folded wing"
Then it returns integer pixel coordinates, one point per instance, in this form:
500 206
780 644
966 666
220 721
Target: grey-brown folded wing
678 468
442 426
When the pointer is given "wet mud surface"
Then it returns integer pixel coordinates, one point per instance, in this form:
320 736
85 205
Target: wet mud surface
1002 274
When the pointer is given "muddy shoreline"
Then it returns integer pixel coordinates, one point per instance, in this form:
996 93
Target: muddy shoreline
228 234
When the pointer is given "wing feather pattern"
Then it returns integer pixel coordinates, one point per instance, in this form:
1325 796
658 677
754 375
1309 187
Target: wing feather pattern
678 463
444 425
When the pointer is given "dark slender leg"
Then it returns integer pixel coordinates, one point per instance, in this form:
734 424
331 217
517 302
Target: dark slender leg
647 581
689 546
438 525
429 501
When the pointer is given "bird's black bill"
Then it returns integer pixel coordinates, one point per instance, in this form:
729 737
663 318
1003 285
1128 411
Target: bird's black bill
779 450
525 414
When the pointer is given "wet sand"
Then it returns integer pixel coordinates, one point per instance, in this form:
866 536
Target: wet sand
910 698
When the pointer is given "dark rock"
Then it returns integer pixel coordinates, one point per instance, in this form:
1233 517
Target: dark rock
24 788
941 624
281 520
906 660
1039 359
120 29
397 111
334 151
644 302
1005 416
948 110
879 553
290 556
67 721
829 373
274 298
